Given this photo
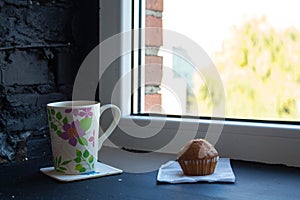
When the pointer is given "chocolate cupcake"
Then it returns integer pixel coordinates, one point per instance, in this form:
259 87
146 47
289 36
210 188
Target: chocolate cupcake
198 158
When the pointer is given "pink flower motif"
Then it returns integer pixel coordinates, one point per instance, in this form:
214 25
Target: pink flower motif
92 139
86 112
68 110
72 132
75 111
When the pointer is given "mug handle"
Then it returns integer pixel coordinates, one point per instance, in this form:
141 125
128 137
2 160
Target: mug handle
112 126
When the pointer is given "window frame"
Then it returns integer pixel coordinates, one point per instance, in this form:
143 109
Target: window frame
250 141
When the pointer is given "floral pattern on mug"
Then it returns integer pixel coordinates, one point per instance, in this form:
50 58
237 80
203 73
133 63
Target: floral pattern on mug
86 112
92 139
75 132
59 164
75 112
72 132
85 161
82 112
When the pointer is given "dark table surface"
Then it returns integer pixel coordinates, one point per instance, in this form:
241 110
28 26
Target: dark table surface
253 181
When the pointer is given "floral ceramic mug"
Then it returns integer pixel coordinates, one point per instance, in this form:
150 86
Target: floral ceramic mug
74 131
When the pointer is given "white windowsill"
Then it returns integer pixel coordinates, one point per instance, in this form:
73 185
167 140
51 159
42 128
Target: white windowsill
260 142
232 127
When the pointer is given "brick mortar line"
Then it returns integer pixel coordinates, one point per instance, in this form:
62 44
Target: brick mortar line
35 46
152 50
152 89
154 13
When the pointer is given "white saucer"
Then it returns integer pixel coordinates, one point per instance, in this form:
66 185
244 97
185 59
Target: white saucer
101 169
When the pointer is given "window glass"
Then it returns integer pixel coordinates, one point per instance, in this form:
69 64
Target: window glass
255 45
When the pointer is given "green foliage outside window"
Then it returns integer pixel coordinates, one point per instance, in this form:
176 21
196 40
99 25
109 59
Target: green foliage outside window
260 70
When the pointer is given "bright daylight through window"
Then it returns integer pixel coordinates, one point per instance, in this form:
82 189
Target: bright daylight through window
255 45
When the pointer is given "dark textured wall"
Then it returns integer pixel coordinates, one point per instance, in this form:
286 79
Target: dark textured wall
42 44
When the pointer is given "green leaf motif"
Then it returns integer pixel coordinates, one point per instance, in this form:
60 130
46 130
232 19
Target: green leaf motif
86 123
52 112
82 170
77 160
91 159
86 154
78 153
55 162
58 133
84 161
78 167
66 162
62 168
59 160
65 120
83 141
53 126
58 116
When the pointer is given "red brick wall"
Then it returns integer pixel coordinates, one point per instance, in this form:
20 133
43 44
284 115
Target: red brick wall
154 33
153 70
153 103
157 5
153 63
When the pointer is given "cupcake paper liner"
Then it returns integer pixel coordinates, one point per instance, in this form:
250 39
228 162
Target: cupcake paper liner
198 167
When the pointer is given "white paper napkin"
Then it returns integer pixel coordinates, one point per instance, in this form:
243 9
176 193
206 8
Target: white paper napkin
171 172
